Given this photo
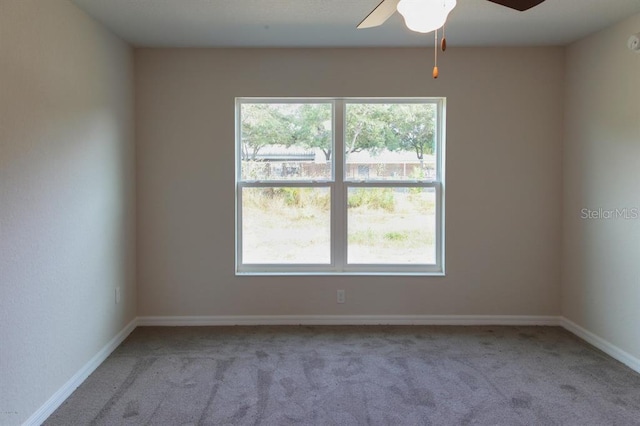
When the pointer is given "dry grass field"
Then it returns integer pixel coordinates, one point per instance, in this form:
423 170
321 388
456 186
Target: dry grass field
292 225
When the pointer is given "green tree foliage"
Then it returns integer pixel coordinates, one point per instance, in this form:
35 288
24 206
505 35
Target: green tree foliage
262 125
395 127
370 127
304 125
413 126
312 127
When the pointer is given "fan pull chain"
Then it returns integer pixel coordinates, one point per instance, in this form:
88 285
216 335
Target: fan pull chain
443 43
435 59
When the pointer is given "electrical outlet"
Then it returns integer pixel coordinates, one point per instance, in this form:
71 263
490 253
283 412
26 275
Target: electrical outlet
341 296
117 295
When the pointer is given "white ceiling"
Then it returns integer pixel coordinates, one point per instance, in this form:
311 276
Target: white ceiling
332 23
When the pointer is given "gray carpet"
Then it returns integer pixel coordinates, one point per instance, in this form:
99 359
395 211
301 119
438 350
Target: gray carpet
367 375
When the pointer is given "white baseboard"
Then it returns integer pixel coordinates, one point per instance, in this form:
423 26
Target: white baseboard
605 346
72 384
348 320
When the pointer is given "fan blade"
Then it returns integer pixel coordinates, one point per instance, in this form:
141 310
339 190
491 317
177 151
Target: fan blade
520 5
380 14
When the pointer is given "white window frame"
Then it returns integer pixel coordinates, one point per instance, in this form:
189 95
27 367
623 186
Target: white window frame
338 186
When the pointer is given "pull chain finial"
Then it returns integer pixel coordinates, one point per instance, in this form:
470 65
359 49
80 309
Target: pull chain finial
435 59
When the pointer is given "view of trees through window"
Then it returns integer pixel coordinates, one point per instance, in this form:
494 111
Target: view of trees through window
291 195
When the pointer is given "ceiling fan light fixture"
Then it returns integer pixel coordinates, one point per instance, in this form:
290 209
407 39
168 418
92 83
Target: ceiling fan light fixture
424 16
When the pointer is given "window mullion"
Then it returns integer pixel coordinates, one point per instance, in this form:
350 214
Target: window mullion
239 238
439 227
339 200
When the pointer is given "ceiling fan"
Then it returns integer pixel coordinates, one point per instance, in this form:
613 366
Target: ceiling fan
424 16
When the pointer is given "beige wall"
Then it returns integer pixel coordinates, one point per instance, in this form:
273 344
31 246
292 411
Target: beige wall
67 202
601 258
503 179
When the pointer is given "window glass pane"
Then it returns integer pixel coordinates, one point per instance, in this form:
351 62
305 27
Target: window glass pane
283 141
286 225
391 226
390 141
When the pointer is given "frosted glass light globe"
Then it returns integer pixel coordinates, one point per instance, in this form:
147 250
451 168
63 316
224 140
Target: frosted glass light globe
424 16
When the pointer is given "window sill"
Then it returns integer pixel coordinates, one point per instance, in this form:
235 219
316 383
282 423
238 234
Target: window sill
340 274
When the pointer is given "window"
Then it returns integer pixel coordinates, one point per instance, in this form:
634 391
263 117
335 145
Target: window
340 186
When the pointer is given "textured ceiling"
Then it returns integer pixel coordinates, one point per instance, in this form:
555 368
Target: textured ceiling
332 23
